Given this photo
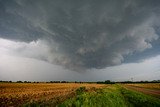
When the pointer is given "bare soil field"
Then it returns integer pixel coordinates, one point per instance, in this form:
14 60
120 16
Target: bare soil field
149 88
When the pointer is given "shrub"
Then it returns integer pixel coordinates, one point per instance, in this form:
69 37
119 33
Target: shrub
80 90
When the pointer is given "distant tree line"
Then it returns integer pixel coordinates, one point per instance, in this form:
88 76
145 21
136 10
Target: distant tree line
106 82
98 82
153 81
6 81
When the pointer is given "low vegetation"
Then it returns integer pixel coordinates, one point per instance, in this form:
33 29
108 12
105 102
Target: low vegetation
76 95
138 99
112 96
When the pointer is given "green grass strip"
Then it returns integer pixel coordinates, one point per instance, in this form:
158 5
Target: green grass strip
113 96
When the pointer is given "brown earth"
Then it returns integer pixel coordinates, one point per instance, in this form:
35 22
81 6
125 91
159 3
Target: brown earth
152 92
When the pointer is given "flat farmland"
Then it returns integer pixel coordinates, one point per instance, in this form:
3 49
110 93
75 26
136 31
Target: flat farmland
152 89
78 95
18 94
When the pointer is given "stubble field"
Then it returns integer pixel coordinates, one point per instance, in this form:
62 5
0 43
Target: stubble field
18 94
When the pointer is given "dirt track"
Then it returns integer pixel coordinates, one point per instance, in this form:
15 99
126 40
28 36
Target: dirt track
153 92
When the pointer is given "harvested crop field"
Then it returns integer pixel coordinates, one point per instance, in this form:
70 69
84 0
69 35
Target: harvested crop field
17 94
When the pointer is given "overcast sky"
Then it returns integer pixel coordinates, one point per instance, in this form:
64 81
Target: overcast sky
79 40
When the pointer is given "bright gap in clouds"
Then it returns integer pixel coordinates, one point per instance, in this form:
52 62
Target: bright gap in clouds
19 62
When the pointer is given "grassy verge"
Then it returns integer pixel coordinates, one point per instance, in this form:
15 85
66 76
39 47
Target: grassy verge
108 97
113 96
139 99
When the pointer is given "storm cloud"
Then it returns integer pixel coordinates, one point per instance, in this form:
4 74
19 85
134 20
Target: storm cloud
80 34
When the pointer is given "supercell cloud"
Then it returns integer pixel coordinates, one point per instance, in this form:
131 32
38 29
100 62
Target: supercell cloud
80 34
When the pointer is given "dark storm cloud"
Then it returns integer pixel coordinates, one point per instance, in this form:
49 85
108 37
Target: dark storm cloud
87 33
